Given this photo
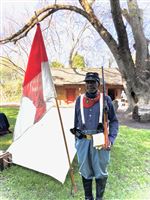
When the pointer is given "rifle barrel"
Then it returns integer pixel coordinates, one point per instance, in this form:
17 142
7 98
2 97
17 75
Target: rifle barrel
105 117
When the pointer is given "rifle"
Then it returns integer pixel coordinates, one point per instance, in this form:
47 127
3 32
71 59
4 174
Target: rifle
105 113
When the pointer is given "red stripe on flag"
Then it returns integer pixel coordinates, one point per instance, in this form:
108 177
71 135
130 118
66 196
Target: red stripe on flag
36 57
32 86
34 91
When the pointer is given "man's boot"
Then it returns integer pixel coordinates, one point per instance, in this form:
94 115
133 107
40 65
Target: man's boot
100 187
87 185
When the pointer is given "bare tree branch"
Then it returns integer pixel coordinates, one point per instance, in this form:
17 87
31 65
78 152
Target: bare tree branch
10 64
41 14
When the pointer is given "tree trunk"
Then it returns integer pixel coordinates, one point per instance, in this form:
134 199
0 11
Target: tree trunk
138 95
141 111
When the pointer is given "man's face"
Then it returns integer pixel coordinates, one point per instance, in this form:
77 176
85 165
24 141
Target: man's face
91 86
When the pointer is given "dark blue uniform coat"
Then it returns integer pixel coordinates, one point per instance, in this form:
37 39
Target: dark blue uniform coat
93 162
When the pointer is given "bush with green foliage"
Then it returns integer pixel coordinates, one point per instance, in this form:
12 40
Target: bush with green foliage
56 64
10 85
78 61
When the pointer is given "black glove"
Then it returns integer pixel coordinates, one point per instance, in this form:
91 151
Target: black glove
77 132
100 128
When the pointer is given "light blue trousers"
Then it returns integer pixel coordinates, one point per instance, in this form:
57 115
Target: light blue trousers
92 162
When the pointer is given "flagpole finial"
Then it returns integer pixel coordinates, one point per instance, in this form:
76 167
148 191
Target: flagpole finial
36 17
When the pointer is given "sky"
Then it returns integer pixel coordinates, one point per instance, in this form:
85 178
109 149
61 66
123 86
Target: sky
18 12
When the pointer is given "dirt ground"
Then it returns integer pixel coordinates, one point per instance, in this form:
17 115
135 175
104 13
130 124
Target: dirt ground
126 119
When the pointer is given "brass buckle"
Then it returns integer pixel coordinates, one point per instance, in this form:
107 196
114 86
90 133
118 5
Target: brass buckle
88 137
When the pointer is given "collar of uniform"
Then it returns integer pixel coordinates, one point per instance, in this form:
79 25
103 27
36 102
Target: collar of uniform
91 95
89 102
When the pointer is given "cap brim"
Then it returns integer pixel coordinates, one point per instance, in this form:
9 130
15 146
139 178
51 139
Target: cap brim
91 79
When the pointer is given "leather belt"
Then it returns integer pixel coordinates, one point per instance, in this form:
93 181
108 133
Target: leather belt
88 137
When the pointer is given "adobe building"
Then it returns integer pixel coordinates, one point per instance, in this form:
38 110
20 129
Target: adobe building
69 83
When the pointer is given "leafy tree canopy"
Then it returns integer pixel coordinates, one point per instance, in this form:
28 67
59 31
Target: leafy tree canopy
78 61
57 64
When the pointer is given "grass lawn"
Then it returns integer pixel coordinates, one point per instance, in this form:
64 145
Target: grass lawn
129 171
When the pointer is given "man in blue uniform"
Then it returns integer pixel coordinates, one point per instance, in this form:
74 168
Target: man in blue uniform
93 157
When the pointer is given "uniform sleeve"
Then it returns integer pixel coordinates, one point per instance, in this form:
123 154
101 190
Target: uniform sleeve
113 121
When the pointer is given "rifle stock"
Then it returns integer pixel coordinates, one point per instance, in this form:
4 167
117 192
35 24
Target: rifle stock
106 130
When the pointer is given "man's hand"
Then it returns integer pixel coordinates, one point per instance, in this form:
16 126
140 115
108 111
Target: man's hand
107 146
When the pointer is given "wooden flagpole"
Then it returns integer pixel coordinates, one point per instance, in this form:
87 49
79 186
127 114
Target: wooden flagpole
63 132
37 21
71 169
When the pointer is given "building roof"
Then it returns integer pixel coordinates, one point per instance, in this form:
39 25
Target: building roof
65 76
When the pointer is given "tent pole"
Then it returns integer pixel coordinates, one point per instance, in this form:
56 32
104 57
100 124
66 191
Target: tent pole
71 169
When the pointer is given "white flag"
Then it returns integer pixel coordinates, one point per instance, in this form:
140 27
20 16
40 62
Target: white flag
38 140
